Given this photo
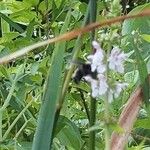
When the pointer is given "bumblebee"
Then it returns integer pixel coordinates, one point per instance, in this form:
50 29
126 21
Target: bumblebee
82 71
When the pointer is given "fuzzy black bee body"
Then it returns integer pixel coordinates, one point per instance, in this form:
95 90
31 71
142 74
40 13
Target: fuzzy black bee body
82 71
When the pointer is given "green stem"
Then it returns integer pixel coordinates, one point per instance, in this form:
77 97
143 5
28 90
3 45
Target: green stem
16 119
1 115
106 105
6 103
75 55
14 81
93 13
107 134
85 104
91 123
18 133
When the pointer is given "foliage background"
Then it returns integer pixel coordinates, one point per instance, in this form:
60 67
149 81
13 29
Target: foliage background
22 81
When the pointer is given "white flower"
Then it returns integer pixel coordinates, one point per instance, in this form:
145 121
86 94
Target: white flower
101 68
114 93
96 59
95 89
116 60
96 46
99 87
103 86
119 88
94 85
110 95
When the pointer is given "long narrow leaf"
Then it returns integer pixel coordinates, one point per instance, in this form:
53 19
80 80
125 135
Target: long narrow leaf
143 73
5 27
11 23
44 129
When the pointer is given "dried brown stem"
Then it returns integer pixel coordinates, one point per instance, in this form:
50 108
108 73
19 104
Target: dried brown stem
71 35
127 119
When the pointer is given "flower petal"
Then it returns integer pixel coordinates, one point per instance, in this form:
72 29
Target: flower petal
116 60
119 88
103 86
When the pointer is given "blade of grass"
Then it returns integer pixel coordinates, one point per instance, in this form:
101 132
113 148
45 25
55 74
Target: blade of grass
75 55
5 28
76 51
67 78
11 23
44 129
143 72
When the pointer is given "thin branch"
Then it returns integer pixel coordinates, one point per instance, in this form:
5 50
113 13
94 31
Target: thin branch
84 104
71 35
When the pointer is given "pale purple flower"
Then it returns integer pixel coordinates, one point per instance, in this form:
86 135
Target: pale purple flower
101 68
119 88
103 86
116 60
95 89
96 46
94 85
114 93
110 95
96 59
99 87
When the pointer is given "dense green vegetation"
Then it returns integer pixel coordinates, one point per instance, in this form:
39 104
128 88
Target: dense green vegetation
41 107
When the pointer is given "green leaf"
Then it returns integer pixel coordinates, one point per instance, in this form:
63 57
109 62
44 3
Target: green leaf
68 133
24 16
4 71
146 148
143 123
83 7
142 25
146 37
11 23
142 49
23 146
58 3
34 68
143 73
69 138
7 37
1 47
30 28
36 79
116 128
17 6
12 46
132 77
148 66
32 2
43 135
43 8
